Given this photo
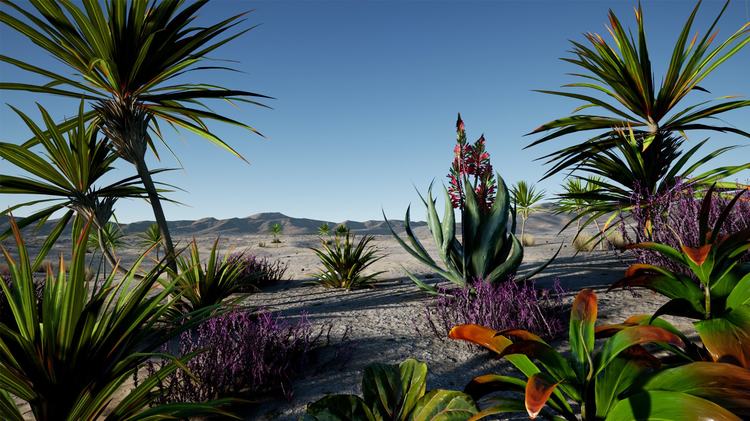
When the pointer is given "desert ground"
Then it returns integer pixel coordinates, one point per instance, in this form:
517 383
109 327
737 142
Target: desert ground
387 323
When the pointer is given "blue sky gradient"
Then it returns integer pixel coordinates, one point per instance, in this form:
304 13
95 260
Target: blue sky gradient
367 95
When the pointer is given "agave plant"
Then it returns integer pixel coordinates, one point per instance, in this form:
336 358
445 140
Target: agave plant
68 361
131 61
525 199
65 176
717 290
641 133
620 380
489 249
199 286
344 262
397 393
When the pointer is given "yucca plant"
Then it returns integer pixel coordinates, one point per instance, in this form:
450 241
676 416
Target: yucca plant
342 230
134 62
112 237
489 249
276 230
324 230
344 262
65 176
69 360
394 393
198 285
617 380
716 290
525 200
151 239
622 80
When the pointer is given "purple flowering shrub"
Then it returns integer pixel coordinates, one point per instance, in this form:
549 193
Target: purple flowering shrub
258 272
499 306
240 353
671 218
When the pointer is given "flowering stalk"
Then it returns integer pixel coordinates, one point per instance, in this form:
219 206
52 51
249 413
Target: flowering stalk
471 160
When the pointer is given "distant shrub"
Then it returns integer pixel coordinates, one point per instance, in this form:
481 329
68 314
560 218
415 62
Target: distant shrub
257 272
499 306
528 240
244 353
672 219
616 241
344 262
584 242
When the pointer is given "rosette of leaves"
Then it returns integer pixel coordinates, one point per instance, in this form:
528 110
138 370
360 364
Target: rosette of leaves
489 249
716 289
394 392
70 360
617 379
344 262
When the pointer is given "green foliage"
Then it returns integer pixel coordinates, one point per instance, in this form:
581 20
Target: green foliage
342 229
489 250
611 380
344 262
394 392
717 293
276 230
68 360
525 199
638 145
151 238
111 234
66 175
324 230
198 286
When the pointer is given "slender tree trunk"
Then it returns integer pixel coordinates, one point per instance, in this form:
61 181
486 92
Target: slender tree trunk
523 229
161 220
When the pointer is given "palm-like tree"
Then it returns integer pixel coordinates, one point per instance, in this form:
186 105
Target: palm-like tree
525 199
276 231
65 177
151 238
643 129
324 230
130 60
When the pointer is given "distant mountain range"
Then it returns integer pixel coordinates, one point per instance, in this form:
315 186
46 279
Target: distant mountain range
255 224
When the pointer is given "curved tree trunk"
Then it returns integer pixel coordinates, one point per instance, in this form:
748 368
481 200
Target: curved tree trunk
161 220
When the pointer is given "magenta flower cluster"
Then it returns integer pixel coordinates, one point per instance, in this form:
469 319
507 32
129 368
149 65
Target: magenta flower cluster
501 305
471 162
240 353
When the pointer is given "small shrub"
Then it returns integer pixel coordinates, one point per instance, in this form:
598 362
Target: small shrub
344 262
528 240
498 306
244 353
257 272
616 240
584 242
262 244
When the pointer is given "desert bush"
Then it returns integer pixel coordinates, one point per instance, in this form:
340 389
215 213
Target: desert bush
199 286
394 392
712 284
616 240
584 242
617 379
488 249
257 272
344 262
528 240
70 360
673 219
241 353
498 306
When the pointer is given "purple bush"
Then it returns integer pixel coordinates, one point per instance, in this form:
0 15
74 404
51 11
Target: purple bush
241 353
258 271
673 217
499 306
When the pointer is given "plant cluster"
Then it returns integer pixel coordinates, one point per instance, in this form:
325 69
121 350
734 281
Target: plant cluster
345 262
239 354
394 392
673 218
257 272
489 249
498 306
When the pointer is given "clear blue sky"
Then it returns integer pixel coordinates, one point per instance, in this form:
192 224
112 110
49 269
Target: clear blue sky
367 95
